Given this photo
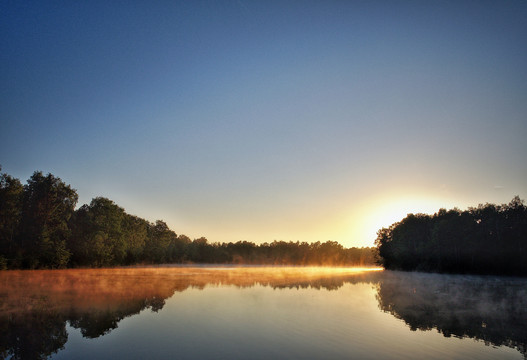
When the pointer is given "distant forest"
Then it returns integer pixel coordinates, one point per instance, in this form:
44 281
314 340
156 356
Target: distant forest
40 228
488 239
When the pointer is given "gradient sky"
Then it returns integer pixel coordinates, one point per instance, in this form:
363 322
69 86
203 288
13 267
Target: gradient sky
269 120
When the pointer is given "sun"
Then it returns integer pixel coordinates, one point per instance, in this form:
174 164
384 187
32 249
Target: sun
382 212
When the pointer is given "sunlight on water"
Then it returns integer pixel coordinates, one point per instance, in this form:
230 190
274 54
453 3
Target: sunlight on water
259 313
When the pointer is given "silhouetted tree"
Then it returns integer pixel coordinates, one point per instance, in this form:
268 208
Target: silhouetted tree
135 232
11 197
40 229
98 237
47 207
159 240
198 250
178 249
488 239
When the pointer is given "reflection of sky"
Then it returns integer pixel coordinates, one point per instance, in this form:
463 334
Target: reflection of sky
225 322
262 121
282 312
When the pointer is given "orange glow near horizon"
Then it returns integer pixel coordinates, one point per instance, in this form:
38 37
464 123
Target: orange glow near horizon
92 288
382 212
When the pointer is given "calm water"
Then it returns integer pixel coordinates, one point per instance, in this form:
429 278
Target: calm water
260 313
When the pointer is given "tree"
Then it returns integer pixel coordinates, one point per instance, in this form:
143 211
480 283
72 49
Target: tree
48 205
178 248
488 239
159 240
98 237
40 229
11 196
384 243
331 252
197 250
135 232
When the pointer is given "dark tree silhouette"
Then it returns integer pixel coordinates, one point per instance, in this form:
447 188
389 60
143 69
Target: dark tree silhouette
98 238
488 239
48 205
159 241
11 196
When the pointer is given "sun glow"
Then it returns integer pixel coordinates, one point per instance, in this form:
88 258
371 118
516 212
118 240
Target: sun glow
395 211
385 211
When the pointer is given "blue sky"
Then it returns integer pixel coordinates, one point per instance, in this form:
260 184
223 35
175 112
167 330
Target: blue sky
264 120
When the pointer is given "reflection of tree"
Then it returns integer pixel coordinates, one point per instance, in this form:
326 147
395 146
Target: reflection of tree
35 305
490 309
95 323
33 335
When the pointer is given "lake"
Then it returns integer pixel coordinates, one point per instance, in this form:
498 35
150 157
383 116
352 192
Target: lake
260 313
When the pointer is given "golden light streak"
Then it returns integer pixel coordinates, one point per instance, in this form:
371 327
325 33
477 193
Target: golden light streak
26 290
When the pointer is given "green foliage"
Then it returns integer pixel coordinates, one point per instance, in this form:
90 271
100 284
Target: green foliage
488 239
159 241
98 238
11 197
135 232
48 204
178 249
39 228
329 253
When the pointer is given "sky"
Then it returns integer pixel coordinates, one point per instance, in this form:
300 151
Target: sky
269 120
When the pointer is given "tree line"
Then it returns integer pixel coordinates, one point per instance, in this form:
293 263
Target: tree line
40 228
487 239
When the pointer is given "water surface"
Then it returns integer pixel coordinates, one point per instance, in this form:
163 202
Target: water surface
260 313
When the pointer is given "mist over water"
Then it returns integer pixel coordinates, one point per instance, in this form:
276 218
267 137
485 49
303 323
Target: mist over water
258 312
